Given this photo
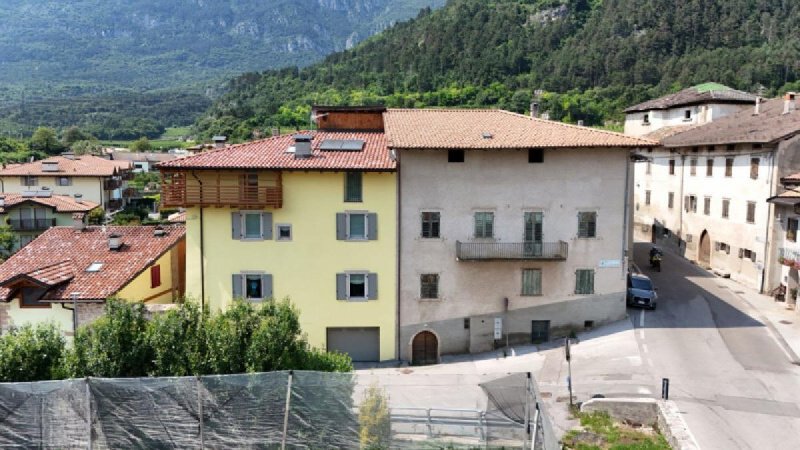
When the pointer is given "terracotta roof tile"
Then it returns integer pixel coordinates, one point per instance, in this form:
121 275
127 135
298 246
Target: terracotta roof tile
61 203
79 166
74 251
271 153
488 129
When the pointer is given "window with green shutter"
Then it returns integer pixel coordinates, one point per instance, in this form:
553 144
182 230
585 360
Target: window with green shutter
584 281
484 224
587 224
531 282
353 187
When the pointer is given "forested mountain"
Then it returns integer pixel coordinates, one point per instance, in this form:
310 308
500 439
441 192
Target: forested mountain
55 51
592 57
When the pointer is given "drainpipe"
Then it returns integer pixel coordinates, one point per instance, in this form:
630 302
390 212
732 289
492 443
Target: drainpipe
625 222
682 200
770 216
398 245
202 252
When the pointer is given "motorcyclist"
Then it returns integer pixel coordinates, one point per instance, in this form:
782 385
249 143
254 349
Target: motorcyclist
655 257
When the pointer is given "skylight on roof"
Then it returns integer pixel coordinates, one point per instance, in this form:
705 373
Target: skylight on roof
94 267
342 145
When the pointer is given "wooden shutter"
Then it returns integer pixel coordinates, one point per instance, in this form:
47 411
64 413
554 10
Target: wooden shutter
372 226
372 286
236 225
341 286
155 276
238 284
592 225
341 226
266 286
266 225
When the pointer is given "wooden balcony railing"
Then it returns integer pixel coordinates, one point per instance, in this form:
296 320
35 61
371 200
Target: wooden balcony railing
216 195
31 224
111 184
486 251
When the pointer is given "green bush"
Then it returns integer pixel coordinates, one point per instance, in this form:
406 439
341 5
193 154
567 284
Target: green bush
376 423
96 216
31 353
178 341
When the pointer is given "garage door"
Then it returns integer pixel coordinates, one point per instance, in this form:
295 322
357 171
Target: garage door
362 344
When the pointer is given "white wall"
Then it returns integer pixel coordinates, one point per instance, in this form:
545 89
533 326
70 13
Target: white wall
660 118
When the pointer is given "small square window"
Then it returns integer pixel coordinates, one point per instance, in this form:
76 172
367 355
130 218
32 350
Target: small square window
429 286
646 119
535 155
64 181
430 225
284 232
455 156
687 114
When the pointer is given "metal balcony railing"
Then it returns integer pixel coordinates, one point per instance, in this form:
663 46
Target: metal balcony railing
788 257
31 224
476 251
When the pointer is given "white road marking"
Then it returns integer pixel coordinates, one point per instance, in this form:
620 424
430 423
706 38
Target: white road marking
641 320
644 347
643 390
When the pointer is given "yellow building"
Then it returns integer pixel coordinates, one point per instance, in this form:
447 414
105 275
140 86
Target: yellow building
31 213
310 216
66 274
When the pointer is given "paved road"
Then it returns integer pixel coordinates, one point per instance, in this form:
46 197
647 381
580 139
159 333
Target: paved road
728 372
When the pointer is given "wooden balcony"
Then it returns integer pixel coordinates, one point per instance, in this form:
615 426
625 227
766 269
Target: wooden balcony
488 251
179 189
110 184
31 224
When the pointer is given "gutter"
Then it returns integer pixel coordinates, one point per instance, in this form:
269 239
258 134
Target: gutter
625 222
769 221
202 251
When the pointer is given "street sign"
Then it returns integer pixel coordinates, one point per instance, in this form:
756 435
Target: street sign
498 328
610 263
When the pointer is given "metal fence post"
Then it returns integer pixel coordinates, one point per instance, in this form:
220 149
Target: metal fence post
286 410
89 412
527 411
200 412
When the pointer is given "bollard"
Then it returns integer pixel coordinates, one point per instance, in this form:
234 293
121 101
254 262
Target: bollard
665 388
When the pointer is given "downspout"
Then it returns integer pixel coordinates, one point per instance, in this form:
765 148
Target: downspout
398 345
625 222
682 200
770 216
202 252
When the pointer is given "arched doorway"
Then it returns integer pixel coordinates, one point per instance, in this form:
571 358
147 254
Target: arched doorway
424 349
704 254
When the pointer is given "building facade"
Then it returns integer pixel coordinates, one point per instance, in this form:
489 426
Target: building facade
33 212
310 217
512 229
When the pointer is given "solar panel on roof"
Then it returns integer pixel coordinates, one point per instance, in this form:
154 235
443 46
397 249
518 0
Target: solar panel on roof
28 194
345 145
44 194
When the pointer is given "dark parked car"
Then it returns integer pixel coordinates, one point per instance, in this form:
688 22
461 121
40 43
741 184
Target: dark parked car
641 291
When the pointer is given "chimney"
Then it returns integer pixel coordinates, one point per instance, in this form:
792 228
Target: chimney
159 231
789 102
49 166
77 221
219 141
580 123
302 146
757 109
68 155
534 109
114 241
78 197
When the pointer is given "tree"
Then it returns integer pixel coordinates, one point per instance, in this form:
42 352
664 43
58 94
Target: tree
7 241
141 145
376 423
44 139
96 216
86 147
74 134
31 353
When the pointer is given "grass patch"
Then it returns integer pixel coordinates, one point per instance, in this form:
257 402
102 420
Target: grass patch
598 431
174 133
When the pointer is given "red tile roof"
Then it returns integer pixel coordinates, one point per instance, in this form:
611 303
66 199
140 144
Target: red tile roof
60 256
492 129
271 153
79 166
61 203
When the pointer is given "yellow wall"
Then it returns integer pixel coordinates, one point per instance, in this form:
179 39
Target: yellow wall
62 219
139 288
89 187
55 313
304 269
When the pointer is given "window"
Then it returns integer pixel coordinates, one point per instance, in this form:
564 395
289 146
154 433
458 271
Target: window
648 168
672 167
155 276
747 254
646 197
710 167
690 203
707 206
455 156
670 200
535 155
284 232
754 168
751 212
429 286
531 282
251 225
430 225
466 323
687 114
728 167
726 206
791 229
30 298
356 226
29 181
356 286
723 247
693 166
646 119
352 187
63 181
587 224
484 224
252 286
584 281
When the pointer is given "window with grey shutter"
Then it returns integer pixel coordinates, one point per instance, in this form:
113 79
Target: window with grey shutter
372 286
584 281
266 286
236 225
266 225
237 285
341 286
341 226
372 226
587 224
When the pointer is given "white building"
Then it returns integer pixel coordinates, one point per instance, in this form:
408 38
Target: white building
703 191
512 229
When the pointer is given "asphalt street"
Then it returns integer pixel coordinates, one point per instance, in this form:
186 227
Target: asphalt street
729 373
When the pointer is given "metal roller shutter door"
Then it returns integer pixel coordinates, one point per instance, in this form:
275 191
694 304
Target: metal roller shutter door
362 344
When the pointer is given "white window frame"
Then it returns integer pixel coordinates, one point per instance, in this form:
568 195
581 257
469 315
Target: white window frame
347 285
245 237
347 226
278 227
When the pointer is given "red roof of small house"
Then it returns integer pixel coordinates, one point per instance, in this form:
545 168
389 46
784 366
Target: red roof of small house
60 203
273 153
77 166
58 260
